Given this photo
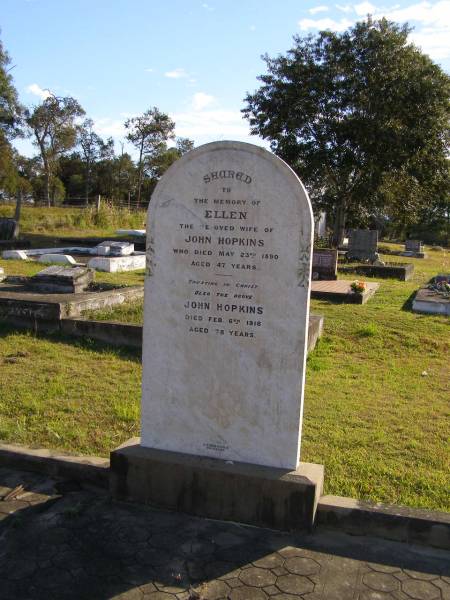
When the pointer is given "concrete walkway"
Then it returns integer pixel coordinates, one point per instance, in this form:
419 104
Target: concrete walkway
58 541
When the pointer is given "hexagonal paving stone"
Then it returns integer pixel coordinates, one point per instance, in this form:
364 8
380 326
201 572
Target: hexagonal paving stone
372 595
257 577
159 596
294 584
214 590
381 582
284 597
269 562
420 575
383 568
290 551
302 566
421 590
247 593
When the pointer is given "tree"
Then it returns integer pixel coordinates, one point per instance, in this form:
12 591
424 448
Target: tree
93 149
354 113
10 109
167 156
149 133
53 124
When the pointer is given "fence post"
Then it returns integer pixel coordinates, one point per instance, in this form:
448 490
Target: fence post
98 202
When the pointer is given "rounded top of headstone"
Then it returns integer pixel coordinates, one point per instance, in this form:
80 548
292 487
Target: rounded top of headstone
240 151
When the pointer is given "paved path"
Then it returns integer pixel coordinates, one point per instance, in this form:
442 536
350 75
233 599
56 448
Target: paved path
60 541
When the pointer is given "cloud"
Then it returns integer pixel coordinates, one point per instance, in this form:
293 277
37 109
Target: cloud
178 73
200 100
431 22
36 90
365 8
317 9
344 8
106 127
207 6
325 23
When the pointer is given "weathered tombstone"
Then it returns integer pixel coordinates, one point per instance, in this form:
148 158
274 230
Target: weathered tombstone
413 246
62 280
9 229
362 245
111 248
2 274
225 329
324 264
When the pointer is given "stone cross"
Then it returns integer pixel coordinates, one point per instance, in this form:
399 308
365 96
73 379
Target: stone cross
229 238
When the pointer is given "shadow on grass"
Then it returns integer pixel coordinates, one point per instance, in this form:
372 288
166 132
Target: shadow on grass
124 352
408 304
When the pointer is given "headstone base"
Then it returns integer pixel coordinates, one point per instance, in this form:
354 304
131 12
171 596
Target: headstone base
217 489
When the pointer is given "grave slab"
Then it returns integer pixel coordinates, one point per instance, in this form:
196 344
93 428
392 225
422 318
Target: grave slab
218 489
117 264
426 301
63 259
14 255
19 305
401 271
60 279
341 290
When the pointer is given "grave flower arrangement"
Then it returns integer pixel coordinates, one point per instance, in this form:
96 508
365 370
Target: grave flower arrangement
358 287
441 285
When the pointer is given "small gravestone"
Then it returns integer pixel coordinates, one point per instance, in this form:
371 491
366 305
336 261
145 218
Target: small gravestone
2 274
362 245
413 246
9 229
61 280
229 240
324 264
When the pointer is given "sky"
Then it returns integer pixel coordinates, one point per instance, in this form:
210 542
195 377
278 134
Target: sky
194 60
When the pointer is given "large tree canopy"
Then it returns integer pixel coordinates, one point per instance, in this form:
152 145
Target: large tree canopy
54 129
362 116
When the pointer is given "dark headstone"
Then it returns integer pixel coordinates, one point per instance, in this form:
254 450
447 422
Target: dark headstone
9 229
61 280
324 264
362 245
413 246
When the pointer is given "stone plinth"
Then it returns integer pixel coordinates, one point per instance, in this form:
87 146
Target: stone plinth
218 489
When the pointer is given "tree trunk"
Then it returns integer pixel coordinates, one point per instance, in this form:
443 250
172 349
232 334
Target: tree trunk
140 175
18 206
339 224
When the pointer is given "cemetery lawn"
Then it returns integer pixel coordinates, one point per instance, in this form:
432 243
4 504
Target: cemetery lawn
376 399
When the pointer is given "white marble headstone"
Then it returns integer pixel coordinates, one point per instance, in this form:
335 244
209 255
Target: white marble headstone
230 232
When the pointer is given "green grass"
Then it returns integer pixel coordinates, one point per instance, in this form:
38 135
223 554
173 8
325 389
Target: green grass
67 222
376 397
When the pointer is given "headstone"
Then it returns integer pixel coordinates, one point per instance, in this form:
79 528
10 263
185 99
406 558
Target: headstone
324 264
413 246
362 245
2 274
9 229
14 255
115 249
61 259
62 280
226 307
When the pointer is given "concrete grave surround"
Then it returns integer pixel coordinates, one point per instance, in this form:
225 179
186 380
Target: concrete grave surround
229 244
62 259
